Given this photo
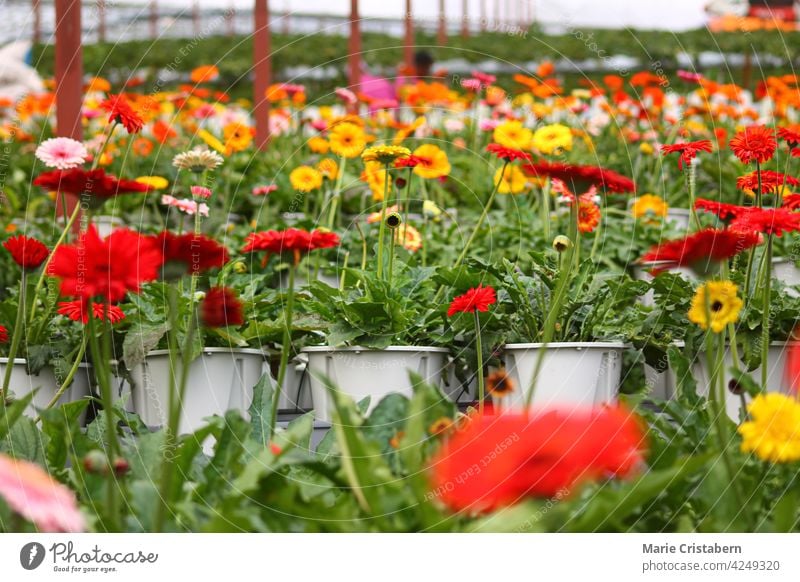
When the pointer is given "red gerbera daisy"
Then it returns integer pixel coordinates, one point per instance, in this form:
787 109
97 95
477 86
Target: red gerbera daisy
504 153
791 135
96 183
770 181
721 209
580 178
78 310
120 111
701 251
544 455
476 299
106 268
688 151
767 221
754 143
291 240
190 254
791 202
3 335
221 307
27 252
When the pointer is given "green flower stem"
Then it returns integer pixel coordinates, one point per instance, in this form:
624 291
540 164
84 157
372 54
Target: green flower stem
481 218
479 354
544 211
72 218
70 375
766 282
336 194
691 180
564 277
171 439
392 240
16 337
285 349
382 228
407 203
344 270
102 372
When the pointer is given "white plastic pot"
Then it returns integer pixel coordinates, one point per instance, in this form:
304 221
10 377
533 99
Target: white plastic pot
679 217
46 385
776 379
106 224
787 272
361 372
571 374
219 380
296 393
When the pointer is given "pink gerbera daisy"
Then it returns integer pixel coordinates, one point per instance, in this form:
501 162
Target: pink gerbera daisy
62 153
200 192
32 493
264 190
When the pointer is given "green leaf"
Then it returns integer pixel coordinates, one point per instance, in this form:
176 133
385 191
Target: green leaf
24 441
686 386
261 409
140 340
13 412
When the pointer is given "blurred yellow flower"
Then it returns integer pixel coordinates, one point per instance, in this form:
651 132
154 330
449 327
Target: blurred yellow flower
347 140
646 148
435 163
211 141
773 434
154 182
238 137
720 300
552 139
513 181
319 145
512 134
374 175
410 238
385 154
649 205
305 179
328 168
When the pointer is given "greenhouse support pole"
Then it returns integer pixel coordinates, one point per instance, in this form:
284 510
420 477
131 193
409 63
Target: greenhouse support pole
354 58
153 19
37 21
69 69
441 37
262 70
101 20
464 18
408 48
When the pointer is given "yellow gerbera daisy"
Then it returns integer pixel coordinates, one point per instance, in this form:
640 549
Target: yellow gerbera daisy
154 182
328 168
347 140
305 179
649 205
513 181
435 163
385 154
773 434
552 139
512 134
718 298
319 145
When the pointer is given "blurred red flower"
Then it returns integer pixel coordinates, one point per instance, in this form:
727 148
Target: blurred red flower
94 182
78 310
770 181
500 460
700 249
190 253
688 151
791 135
27 252
221 307
504 153
291 240
754 143
722 209
476 299
106 268
120 111
580 178
3 335
767 221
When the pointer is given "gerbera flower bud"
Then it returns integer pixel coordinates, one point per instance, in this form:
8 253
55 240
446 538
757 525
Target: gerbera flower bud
561 243
120 466
393 220
95 462
200 192
735 387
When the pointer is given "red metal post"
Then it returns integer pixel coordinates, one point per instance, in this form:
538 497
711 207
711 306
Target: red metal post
153 19
37 22
408 47
464 18
484 16
262 70
441 37
69 69
354 58
229 19
496 13
101 20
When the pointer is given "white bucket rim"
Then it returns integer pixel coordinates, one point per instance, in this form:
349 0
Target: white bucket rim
249 351
577 345
23 361
330 349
